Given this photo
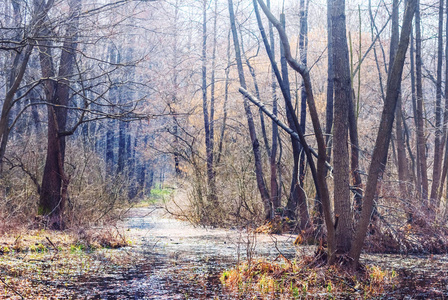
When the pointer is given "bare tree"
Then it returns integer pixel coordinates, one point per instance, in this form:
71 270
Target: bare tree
253 135
438 144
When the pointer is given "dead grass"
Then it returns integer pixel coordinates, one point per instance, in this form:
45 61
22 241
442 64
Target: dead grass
298 279
48 240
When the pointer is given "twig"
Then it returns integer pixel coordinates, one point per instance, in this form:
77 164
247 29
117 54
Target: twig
11 288
274 239
54 247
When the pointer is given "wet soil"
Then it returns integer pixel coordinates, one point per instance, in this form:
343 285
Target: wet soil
171 259
185 262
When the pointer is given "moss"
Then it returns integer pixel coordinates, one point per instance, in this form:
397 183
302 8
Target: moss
41 210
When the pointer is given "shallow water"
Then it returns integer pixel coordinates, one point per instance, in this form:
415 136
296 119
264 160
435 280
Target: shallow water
171 259
185 262
179 261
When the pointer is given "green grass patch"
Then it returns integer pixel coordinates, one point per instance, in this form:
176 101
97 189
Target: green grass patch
160 194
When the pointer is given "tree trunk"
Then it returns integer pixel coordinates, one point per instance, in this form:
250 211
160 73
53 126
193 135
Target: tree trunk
211 159
121 154
438 144
319 175
416 169
275 187
384 133
54 194
226 98
342 99
420 130
253 135
211 186
403 174
303 47
445 123
297 197
17 71
328 108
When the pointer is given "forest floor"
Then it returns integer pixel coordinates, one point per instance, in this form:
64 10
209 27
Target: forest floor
170 259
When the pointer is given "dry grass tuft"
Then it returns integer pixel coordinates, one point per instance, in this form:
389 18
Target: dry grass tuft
299 280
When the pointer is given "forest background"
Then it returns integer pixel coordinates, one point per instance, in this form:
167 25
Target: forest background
103 101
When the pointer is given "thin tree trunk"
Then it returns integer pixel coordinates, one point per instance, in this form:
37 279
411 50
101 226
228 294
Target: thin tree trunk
329 109
384 133
213 192
416 171
260 113
121 147
445 124
253 135
438 144
226 97
403 175
211 186
303 47
176 155
420 130
275 186
320 173
297 197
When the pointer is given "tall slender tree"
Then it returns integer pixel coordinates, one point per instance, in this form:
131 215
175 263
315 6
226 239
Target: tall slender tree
438 144
420 130
268 212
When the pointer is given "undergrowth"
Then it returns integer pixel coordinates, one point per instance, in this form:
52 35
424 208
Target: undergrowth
301 279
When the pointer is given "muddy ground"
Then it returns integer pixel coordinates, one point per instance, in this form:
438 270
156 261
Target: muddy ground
171 259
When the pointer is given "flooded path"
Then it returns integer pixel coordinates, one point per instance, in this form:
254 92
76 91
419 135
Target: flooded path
185 262
171 259
175 260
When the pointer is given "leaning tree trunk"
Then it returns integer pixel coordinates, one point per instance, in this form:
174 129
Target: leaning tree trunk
17 72
320 173
403 174
384 133
268 213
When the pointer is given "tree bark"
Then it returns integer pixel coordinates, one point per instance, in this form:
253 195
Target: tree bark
297 197
402 165
211 185
303 47
342 99
445 123
275 187
226 98
438 144
384 133
420 130
54 192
